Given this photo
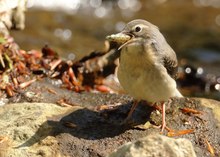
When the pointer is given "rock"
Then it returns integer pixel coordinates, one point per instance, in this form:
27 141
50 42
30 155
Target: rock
20 122
214 105
46 129
156 145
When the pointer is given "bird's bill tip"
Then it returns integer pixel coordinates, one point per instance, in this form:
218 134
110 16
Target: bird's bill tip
119 38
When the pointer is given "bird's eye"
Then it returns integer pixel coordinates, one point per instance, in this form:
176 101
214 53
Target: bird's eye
137 29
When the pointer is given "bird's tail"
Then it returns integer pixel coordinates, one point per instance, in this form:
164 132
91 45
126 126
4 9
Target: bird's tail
178 94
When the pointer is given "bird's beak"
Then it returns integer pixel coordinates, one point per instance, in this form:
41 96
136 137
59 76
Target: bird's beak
119 38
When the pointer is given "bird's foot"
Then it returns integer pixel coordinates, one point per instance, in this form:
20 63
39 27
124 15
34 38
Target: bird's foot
173 133
162 110
163 118
163 128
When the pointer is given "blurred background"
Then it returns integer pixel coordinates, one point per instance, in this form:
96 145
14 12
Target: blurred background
75 28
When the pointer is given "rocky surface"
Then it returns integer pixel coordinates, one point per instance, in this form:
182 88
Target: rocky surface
46 120
90 124
25 124
156 145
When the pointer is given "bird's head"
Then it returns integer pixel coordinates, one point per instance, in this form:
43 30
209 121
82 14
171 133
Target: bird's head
135 30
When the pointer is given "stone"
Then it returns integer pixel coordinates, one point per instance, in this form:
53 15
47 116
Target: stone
156 146
19 123
214 106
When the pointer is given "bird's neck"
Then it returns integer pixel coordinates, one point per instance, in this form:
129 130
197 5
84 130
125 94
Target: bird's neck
138 56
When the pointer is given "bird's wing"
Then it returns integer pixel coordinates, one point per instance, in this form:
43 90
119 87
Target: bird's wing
171 65
168 58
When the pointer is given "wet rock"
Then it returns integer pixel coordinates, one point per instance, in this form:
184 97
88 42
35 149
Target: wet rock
156 145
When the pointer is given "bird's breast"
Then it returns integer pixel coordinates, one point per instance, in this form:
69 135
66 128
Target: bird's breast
143 79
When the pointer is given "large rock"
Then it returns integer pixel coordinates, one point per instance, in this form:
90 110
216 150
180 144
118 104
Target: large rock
156 145
20 123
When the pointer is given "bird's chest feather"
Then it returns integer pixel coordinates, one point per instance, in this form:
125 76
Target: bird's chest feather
135 64
144 79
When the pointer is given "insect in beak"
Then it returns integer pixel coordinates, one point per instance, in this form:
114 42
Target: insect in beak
121 38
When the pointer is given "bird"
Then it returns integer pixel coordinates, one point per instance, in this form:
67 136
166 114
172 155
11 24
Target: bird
147 65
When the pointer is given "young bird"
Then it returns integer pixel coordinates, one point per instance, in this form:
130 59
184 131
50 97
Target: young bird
148 64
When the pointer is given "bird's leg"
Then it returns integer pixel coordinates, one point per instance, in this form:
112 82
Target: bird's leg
163 117
163 111
163 126
134 105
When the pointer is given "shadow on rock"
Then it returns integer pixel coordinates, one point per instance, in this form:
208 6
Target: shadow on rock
91 125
